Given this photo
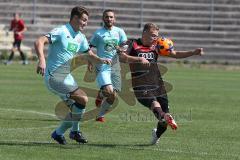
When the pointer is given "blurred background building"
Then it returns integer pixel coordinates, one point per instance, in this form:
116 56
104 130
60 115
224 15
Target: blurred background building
211 24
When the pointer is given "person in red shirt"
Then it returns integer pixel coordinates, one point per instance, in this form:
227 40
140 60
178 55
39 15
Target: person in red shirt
18 27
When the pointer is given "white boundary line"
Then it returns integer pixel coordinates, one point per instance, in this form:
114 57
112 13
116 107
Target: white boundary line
26 128
184 152
29 111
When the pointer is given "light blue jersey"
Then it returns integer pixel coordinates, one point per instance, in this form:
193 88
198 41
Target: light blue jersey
65 44
105 42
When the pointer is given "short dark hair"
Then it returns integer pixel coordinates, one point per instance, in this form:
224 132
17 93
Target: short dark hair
108 10
149 26
78 11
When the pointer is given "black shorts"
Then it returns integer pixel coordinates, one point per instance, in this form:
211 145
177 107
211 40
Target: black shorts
162 100
17 43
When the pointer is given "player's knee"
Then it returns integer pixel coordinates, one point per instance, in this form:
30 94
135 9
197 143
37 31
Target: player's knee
112 97
107 93
157 111
82 100
80 97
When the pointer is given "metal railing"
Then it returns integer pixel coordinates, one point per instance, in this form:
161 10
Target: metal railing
211 23
141 10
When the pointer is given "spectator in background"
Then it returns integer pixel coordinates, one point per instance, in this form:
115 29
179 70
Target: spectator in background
18 27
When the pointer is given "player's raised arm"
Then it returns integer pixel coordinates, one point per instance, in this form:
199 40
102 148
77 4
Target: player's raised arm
185 54
39 47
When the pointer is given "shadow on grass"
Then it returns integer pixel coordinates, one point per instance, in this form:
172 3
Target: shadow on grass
117 145
69 146
35 144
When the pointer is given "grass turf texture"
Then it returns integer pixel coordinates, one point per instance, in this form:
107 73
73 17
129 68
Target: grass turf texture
204 101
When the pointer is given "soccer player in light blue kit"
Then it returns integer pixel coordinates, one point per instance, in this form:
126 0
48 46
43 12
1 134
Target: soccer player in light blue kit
108 40
65 43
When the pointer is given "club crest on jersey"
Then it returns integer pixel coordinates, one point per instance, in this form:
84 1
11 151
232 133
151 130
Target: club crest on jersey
78 40
116 35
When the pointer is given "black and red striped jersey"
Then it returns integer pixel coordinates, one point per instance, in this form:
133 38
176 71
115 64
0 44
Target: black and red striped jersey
147 78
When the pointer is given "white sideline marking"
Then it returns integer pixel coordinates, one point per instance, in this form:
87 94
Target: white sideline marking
29 111
26 129
184 152
25 141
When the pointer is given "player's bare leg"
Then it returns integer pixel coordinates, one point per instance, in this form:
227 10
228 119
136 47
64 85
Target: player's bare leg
78 108
79 100
109 96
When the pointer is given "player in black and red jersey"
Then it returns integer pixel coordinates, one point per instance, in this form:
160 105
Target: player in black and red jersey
147 82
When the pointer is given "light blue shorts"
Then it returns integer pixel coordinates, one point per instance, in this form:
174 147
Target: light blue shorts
61 84
109 77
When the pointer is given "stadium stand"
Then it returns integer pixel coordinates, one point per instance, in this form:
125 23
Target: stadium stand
189 23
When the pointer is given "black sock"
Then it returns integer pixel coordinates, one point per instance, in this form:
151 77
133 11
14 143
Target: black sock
161 128
11 56
22 55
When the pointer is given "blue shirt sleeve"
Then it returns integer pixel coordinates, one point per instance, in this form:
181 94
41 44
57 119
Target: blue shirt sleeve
54 35
123 36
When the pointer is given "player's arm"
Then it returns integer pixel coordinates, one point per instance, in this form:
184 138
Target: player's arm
185 54
39 47
90 65
93 58
124 50
125 58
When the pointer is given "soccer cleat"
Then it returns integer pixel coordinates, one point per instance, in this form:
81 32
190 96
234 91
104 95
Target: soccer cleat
78 137
100 119
25 62
59 138
98 100
155 139
170 121
8 62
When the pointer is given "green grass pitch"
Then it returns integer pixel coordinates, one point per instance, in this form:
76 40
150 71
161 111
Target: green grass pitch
205 103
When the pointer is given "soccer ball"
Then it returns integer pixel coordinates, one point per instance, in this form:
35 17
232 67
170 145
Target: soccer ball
164 46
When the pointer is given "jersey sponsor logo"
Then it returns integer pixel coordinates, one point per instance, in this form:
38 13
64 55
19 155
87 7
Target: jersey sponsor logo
72 47
110 44
147 55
